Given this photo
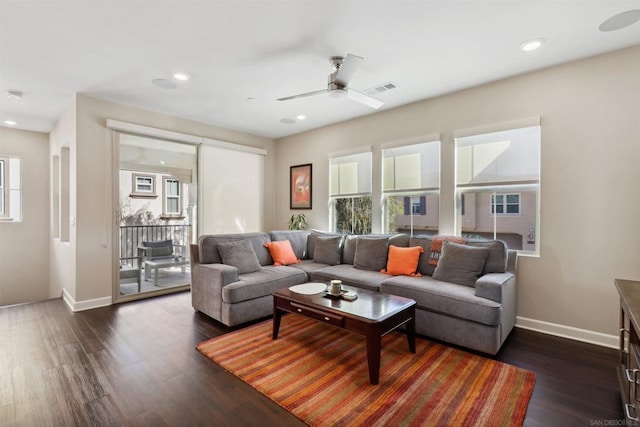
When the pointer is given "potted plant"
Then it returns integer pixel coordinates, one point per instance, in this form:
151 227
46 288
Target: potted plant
297 222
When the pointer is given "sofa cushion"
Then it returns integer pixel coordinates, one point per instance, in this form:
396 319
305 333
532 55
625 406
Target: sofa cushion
298 239
371 253
460 264
309 266
366 279
349 249
240 255
163 248
208 251
497 259
282 253
423 263
262 283
444 297
327 250
436 247
312 239
403 261
400 240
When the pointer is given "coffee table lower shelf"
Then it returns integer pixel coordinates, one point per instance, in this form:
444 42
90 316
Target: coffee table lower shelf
372 328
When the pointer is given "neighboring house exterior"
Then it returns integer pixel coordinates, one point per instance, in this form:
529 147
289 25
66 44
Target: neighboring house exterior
152 198
514 220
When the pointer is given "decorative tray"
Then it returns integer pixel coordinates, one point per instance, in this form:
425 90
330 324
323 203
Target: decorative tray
332 296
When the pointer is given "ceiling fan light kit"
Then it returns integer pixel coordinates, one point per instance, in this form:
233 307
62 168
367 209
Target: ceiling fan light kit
337 86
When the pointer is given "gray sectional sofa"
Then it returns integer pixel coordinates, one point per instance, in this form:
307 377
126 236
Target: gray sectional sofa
233 277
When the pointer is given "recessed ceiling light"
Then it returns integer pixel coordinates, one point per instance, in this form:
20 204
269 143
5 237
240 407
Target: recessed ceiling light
181 76
287 121
10 122
164 83
301 117
532 44
14 94
621 20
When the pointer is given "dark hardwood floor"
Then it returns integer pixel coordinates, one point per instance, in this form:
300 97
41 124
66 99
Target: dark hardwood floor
135 364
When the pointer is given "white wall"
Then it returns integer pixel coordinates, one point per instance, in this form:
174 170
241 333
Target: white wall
24 251
590 207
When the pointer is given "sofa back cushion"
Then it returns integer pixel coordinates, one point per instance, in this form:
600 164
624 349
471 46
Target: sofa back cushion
423 264
328 250
239 254
497 259
349 248
461 264
371 253
209 254
298 239
312 239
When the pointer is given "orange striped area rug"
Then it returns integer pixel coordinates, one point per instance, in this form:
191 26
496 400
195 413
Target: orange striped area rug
320 374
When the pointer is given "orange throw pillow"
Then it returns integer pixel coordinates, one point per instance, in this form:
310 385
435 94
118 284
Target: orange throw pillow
403 261
282 253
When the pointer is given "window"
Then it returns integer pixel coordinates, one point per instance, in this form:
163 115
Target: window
172 206
143 185
10 194
411 183
498 179
505 204
350 193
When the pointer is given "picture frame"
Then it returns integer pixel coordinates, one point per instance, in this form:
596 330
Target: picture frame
300 186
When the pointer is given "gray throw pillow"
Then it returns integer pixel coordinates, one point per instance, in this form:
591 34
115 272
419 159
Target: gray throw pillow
423 263
327 250
239 254
371 253
497 258
460 264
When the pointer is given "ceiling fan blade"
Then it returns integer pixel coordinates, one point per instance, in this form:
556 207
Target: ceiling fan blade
364 99
348 67
303 95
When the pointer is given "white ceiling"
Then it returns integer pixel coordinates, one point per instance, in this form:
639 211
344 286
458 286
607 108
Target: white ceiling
265 50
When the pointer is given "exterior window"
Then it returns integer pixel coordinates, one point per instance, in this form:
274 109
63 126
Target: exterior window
498 179
172 198
350 193
419 206
505 204
411 182
143 185
10 193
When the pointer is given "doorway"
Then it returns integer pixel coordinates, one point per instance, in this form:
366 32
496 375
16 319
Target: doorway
157 216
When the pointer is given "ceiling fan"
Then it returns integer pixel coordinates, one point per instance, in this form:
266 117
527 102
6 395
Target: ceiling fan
339 80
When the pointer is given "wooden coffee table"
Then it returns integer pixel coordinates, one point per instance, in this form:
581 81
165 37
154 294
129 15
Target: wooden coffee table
373 315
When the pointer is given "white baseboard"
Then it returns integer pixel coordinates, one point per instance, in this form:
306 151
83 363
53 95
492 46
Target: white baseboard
85 305
584 335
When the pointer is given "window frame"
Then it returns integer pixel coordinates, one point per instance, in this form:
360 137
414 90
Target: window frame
517 185
165 197
505 204
421 190
11 188
355 190
136 192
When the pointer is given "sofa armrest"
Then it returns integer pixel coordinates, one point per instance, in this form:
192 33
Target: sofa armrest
219 275
207 281
491 285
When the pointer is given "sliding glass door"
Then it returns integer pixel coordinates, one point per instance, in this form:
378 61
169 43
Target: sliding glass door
157 215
